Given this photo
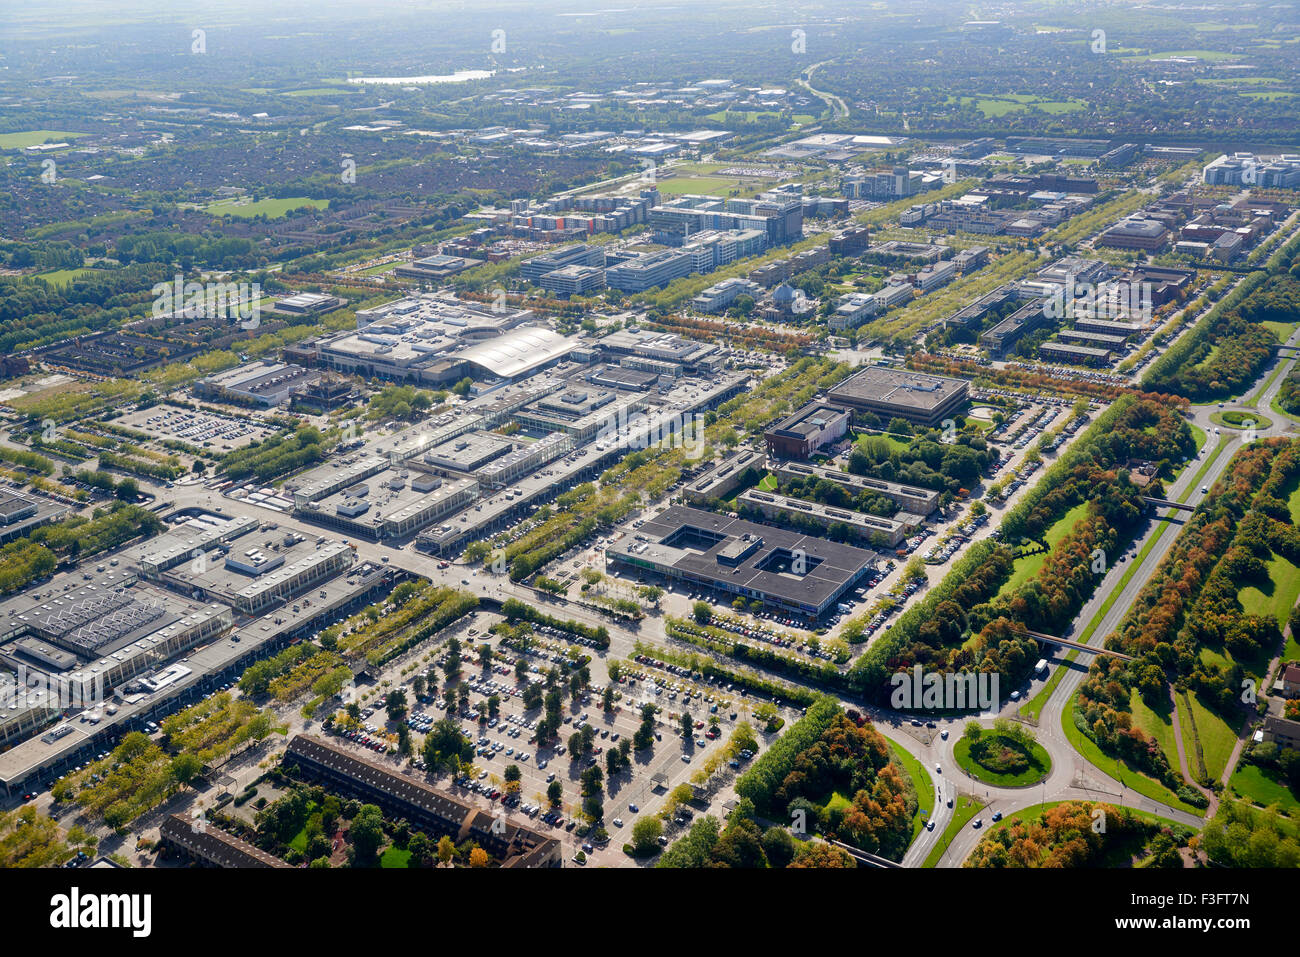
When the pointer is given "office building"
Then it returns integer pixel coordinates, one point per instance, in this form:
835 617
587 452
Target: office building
798 573
914 396
816 425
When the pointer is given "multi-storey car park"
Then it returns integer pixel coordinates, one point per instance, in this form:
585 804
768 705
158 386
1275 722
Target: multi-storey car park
156 627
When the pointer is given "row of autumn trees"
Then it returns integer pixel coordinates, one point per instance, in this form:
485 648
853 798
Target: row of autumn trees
1230 346
971 599
831 773
1192 603
1079 834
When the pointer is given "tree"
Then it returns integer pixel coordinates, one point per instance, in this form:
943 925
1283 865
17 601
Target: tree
421 849
779 846
478 858
688 725
702 612
366 832
395 704
446 746
128 490
554 793
446 849
185 768
645 834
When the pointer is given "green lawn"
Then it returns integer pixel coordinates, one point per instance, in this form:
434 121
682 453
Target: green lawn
1218 738
1040 764
895 443
963 811
1282 330
1233 419
1027 567
61 277
1276 597
1263 787
676 185
20 141
838 802
921 783
1156 724
271 208
1134 779
395 858
994 106
732 116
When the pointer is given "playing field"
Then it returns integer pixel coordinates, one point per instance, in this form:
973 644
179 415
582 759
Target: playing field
270 208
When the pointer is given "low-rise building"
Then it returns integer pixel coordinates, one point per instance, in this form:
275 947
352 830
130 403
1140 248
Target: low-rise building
914 396
807 430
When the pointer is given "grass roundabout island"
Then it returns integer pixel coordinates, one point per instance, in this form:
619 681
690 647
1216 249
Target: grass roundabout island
1005 755
1239 419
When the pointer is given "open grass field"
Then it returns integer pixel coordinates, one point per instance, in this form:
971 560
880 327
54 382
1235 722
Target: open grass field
61 277
1217 737
679 185
1158 723
1277 596
1263 787
994 106
395 858
1282 330
271 208
1027 567
320 91
20 141
749 116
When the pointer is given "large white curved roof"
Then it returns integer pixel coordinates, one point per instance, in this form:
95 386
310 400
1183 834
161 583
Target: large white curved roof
517 351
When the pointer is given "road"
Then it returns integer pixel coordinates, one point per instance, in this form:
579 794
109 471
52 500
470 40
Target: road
1072 776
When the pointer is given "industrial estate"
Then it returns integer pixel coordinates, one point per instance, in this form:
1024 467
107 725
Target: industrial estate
652 439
